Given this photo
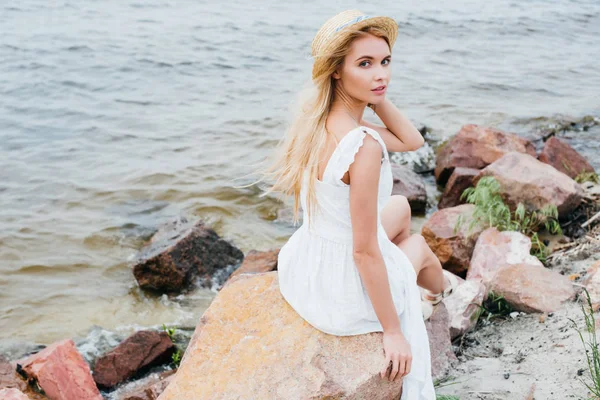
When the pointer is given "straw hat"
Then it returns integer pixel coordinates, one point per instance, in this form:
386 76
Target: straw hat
334 31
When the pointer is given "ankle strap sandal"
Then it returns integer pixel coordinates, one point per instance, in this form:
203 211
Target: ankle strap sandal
435 298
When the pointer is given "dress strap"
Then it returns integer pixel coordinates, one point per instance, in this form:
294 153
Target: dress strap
344 154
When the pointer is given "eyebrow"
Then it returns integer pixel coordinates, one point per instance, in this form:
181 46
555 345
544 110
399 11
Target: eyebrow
371 58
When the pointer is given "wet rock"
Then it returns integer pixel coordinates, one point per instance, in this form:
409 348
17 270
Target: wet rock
524 179
564 158
476 147
461 179
532 288
12 394
440 344
181 252
452 247
151 389
258 261
464 305
136 354
494 250
410 185
421 160
62 372
269 351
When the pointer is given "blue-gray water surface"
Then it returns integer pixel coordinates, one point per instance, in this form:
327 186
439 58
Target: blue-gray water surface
116 116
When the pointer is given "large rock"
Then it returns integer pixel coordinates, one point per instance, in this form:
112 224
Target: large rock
476 147
452 247
180 252
442 356
461 179
494 250
410 185
134 355
532 288
257 261
524 179
564 158
251 344
62 372
464 307
9 379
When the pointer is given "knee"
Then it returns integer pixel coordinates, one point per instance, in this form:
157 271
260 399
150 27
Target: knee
402 205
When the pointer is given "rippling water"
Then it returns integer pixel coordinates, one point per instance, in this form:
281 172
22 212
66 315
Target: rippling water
117 115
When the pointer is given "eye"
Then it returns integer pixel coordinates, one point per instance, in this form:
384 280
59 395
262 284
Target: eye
362 63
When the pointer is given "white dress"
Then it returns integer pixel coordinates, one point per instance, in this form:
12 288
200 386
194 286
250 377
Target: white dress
319 279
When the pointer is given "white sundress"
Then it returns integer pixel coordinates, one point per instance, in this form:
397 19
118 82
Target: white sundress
319 279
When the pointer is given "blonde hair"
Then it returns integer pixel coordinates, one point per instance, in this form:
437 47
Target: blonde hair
299 150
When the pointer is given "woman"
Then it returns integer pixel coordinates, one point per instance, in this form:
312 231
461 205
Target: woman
353 267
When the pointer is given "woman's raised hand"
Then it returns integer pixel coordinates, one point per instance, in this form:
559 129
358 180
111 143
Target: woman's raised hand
397 350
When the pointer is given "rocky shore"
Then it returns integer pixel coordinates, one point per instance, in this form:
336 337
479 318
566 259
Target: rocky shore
506 333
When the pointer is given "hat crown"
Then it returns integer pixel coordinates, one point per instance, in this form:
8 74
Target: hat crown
333 25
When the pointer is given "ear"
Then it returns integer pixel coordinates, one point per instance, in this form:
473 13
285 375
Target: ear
336 74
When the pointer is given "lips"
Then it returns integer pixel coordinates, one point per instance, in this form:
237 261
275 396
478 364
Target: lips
379 88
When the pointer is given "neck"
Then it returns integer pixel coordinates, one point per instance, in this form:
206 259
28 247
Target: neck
346 104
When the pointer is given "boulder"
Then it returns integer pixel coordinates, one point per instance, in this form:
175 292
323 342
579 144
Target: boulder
62 372
180 252
461 179
250 343
494 250
476 147
564 158
532 288
452 247
257 261
9 379
524 179
464 307
442 355
410 185
136 354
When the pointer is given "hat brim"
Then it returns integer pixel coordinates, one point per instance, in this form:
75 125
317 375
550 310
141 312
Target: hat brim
387 24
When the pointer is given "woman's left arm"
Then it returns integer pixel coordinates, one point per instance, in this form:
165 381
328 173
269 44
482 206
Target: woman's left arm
398 134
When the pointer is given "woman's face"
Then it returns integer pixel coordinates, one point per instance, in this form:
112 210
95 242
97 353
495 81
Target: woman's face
365 68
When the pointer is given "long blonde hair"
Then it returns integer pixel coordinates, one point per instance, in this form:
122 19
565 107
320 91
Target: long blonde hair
300 148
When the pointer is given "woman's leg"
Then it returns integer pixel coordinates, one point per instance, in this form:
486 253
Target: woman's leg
426 264
395 218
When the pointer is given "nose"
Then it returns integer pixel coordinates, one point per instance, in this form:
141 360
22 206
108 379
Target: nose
382 73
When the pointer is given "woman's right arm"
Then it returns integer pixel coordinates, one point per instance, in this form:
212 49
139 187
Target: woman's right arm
364 184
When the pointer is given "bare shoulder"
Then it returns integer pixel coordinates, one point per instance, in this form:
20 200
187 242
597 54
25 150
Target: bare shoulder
339 125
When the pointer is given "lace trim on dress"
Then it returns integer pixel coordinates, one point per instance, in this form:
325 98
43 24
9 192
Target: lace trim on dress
347 157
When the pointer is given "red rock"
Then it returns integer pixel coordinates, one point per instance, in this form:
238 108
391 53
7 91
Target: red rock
257 261
134 355
453 248
494 250
442 356
532 288
12 394
265 350
181 251
476 147
524 179
410 185
564 158
151 390
464 306
62 372
461 179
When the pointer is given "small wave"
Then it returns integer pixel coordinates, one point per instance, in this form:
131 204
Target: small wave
137 102
78 48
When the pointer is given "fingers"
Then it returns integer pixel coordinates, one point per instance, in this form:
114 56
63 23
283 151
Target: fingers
395 368
384 371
